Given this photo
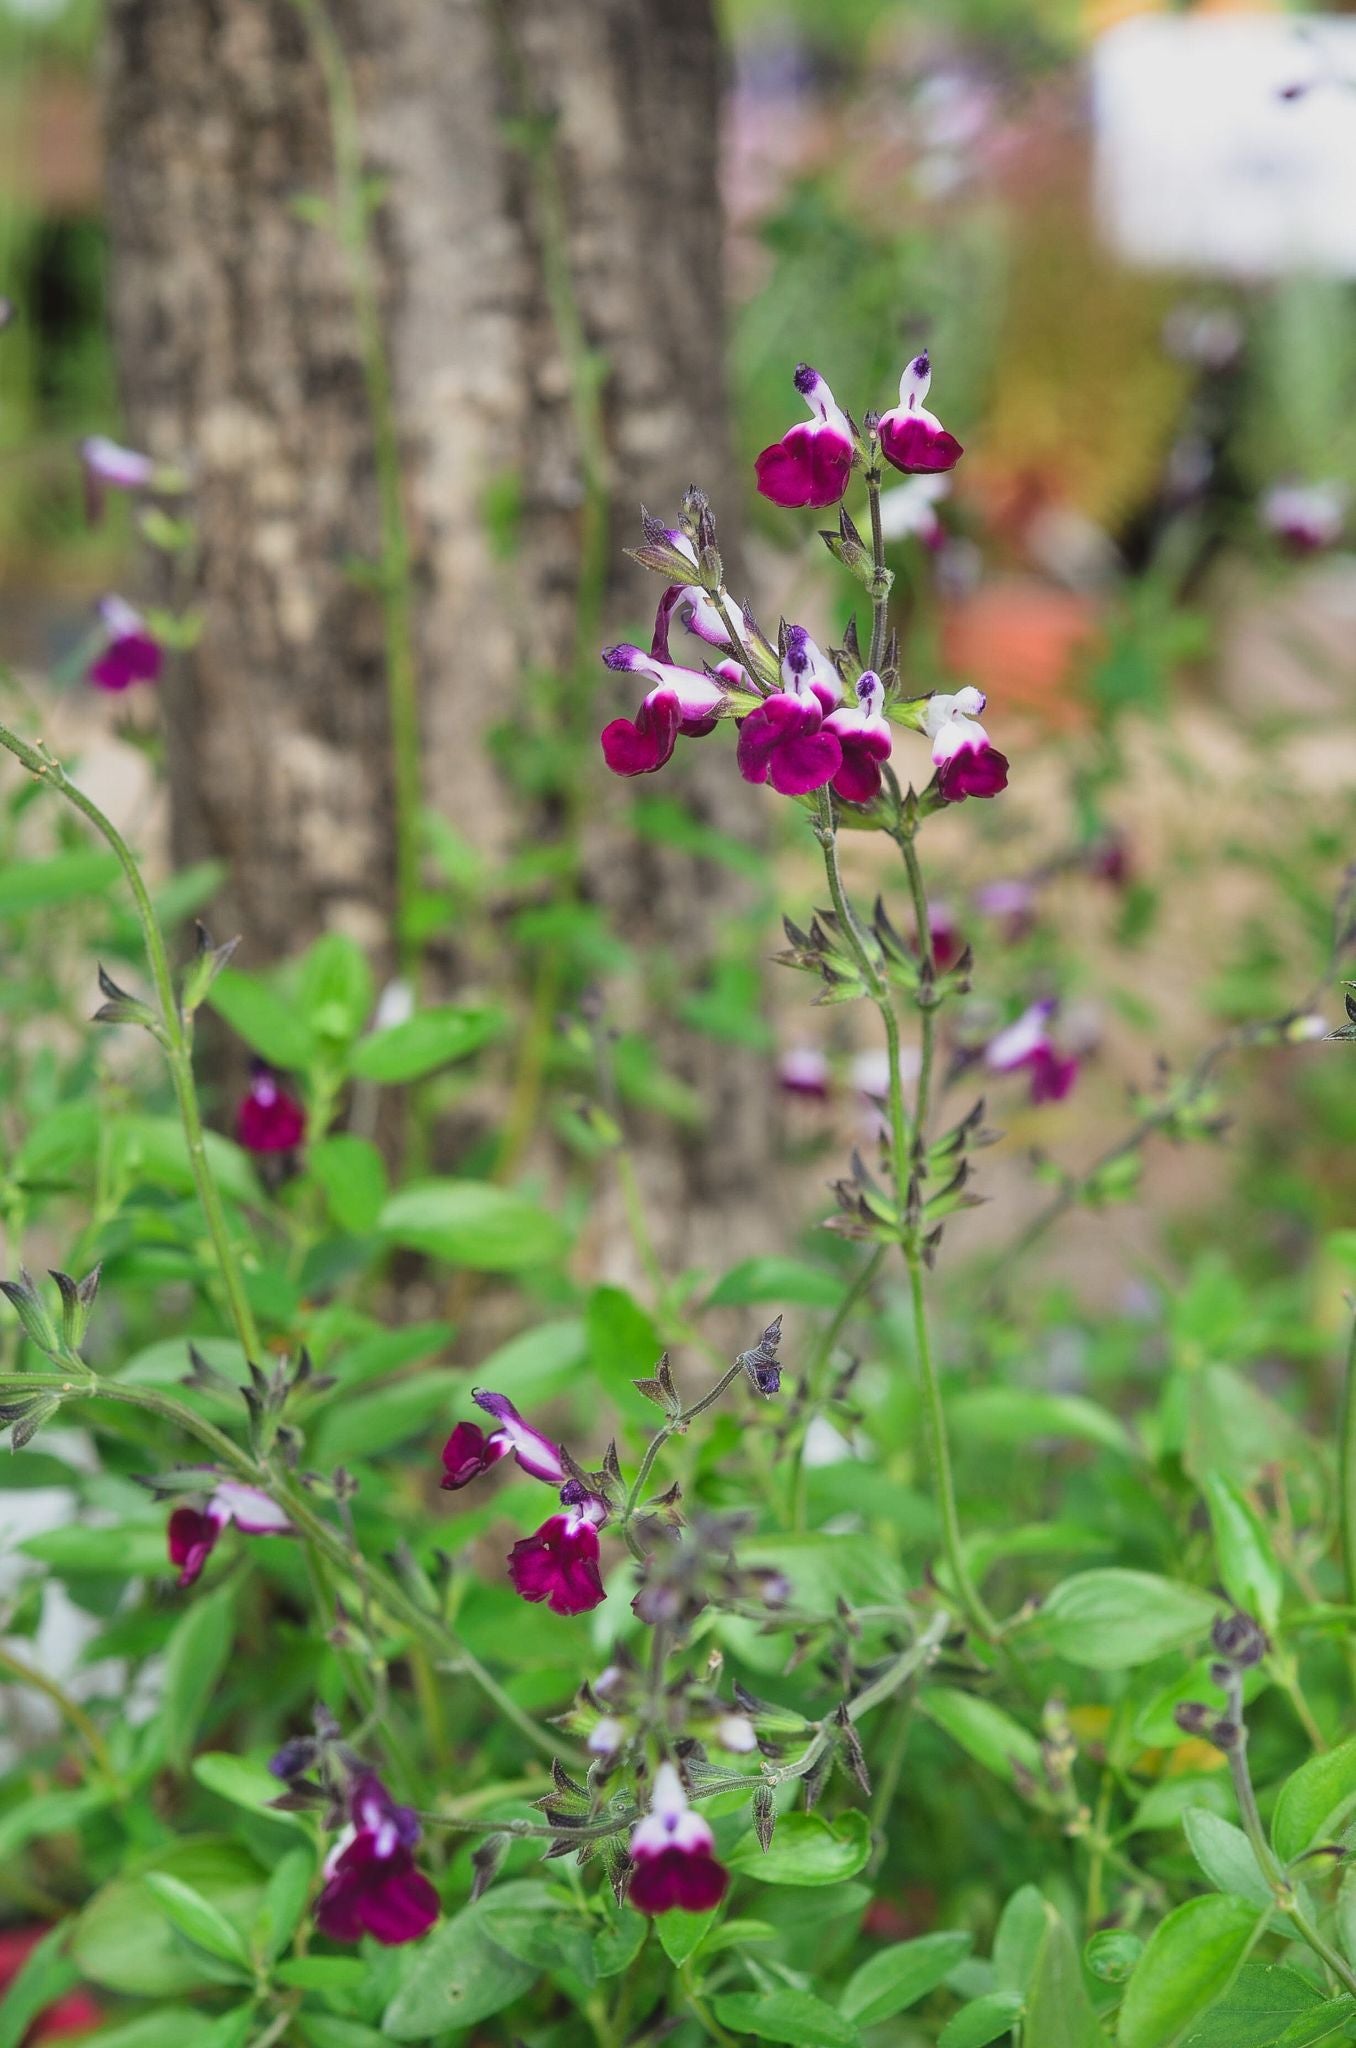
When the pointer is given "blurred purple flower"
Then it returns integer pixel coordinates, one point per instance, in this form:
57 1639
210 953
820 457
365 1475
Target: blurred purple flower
371 1884
130 654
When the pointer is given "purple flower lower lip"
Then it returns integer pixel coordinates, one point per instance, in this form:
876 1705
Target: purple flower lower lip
269 1119
673 1860
558 1566
812 462
371 1884
782 741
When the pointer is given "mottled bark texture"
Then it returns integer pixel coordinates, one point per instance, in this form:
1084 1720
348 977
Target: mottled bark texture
239 354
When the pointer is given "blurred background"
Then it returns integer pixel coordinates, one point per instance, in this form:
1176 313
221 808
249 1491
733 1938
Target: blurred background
1127 234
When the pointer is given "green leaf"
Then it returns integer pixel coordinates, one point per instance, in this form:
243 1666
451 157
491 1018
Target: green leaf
1109 1620
1315 1802
124 1941
534 1364
1112 1954
1225 1855
335 989
1255 2012
1059 2013
460 1976
167 2027
352 1174
432 1039
807 1849
679 1933
1248 1565
623 1345
285 1898
47 1813
792 2016
1018 1938
327 2030
131 1549
555 1941
267 1021
1188 1962
65 878
616 1946
1336 2016
898 1977
1014 1415
984 1731
198 1653
197 1919
41 1979
366 1425
153 1151
243 1783
983 2020
772 1281
472 1223
342 1975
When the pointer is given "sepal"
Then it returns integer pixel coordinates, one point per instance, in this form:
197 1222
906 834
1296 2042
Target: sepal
203 969
121 1008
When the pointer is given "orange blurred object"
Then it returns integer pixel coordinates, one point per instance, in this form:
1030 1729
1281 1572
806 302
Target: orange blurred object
1026 644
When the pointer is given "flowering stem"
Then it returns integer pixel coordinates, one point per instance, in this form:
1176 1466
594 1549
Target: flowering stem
171 1032
386 1591
657 1442
939 1451
826 832
352 215
927 1011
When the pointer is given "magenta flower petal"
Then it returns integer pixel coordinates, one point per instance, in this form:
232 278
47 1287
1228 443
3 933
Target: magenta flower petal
686 1880
917 443
535 1453
135 658
782 741
468 1452
371 1884
192 1539
809 466
973 771
1052 1074
269 1119
559 1565
642 745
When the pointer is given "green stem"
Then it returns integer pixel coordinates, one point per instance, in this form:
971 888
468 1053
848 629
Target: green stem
661 1437
823 1352
352 212
939 1452
880 596
71 1710
857 944
1346 1473
927 967
172 1033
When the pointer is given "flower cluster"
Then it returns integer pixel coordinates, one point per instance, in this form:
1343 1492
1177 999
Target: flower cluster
558 1564
806 722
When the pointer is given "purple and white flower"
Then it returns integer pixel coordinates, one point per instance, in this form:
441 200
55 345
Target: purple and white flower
130 652
194 1532
680 700
371 1884
1306 518
911 438
268 1119
1012 902
469 1451
864 737
812 462
803 1070
1027 1045
673 1854
966 764
108 466
558 1564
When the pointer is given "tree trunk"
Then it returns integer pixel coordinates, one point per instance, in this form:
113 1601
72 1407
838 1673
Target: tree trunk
241 357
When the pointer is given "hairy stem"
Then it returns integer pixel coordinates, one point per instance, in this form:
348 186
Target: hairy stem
172 1033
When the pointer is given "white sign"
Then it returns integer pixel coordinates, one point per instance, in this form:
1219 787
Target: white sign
1227 144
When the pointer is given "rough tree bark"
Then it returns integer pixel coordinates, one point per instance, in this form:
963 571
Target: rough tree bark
239 353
